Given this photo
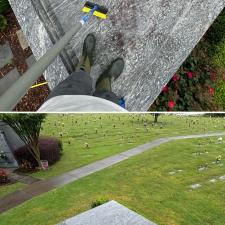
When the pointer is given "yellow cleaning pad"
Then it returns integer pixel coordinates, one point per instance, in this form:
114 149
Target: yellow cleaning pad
96 13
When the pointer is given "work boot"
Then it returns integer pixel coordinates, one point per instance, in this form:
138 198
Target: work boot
112 72
87 58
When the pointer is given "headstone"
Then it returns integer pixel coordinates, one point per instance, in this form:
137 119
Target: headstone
154 38
9 160
222 177
111 213
195 186
172 173
212 180
5 54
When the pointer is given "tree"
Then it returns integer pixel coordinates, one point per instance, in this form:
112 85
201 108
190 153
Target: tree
156 116
28 127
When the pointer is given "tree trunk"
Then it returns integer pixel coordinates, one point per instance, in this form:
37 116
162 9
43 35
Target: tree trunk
36 153
156 117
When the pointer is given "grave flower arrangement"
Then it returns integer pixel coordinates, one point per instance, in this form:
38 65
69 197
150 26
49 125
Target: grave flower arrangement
3 176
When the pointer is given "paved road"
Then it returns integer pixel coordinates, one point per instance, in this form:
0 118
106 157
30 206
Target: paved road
16 198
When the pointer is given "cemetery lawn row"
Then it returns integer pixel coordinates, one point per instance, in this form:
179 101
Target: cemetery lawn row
145 184
118 133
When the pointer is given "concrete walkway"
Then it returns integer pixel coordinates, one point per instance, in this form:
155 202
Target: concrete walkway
40 187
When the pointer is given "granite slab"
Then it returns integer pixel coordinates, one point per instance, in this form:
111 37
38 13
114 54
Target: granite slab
154 38
111 213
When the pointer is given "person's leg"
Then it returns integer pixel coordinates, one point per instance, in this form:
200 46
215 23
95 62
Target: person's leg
103 84
87 58
79 82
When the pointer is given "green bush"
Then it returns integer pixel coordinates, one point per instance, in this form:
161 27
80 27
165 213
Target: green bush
215 38
3 23
220 93
99 202
4 6
219 58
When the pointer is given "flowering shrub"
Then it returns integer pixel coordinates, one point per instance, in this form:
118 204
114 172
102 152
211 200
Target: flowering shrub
190 89
3 176
50 149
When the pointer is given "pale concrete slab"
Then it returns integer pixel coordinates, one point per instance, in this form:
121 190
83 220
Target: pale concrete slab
14 199
8 80
110 213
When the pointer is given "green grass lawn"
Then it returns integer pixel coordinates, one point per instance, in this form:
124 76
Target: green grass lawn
144 184
9 188
105 140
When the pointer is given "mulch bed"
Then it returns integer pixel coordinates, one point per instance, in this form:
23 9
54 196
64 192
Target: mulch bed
35 97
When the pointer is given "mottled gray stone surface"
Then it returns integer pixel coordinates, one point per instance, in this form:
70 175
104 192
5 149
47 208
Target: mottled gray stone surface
9 161
111 213
12 138
5 54
154 37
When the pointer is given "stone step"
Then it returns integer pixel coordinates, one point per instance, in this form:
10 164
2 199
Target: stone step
8 80
23 178
5 54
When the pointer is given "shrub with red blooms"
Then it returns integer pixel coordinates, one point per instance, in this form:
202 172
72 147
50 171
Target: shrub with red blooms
190 75
165 89
171 104
3 176
192 88
50 149
212 91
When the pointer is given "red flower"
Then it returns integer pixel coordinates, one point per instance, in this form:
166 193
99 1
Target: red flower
190 74
165 89
175 77
212 91
171 104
